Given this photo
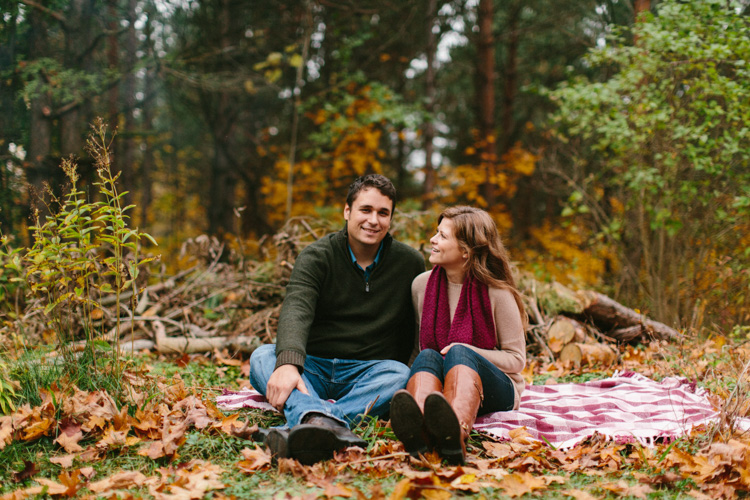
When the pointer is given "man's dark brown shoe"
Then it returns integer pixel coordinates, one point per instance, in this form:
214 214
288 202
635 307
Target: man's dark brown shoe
275 439
318 437
277 442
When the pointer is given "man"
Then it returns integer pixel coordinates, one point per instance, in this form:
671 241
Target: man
346 330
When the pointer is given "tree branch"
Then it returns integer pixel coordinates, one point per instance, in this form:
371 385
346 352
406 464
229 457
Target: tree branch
52 13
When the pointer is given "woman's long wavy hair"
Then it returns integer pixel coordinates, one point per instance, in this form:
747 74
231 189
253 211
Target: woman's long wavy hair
488 260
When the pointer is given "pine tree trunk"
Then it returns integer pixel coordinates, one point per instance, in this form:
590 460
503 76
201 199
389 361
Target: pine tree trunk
486 98
40 139
429 128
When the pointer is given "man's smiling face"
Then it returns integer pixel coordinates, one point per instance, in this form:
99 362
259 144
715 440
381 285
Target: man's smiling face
369 218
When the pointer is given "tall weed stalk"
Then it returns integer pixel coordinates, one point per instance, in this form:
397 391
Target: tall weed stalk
82 252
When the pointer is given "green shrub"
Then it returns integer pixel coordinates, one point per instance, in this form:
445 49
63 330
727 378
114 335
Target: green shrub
82 252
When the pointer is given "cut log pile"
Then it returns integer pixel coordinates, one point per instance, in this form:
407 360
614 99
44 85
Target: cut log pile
225 303
584 327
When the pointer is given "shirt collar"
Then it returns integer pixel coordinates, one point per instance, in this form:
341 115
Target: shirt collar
374 262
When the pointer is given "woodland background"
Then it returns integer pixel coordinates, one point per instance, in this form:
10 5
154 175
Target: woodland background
608 138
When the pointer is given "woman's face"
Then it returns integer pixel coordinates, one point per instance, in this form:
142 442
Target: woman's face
446 251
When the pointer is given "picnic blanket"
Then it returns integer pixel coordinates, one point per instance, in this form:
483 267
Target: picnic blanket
626 407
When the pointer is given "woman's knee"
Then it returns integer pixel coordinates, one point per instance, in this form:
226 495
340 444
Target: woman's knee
428 360
459 352
429 355
461 355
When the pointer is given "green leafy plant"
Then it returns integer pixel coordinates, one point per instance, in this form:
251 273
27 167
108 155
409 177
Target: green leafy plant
7 391
82 252
11 277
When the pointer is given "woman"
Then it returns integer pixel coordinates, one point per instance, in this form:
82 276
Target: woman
471 335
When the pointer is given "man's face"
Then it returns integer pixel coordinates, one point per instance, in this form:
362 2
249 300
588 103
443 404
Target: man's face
369 217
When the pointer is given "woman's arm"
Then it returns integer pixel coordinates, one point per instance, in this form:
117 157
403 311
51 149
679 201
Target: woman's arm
510 354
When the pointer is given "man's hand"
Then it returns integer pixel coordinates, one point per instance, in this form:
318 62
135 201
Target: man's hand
282 382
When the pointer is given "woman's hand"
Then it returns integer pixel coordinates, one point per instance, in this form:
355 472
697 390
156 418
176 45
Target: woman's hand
447 348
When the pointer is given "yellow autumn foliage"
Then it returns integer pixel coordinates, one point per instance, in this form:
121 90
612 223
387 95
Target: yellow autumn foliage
354 150
564 253
519 160
463 183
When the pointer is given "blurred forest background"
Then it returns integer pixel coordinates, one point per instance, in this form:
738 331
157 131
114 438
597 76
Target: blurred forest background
610 139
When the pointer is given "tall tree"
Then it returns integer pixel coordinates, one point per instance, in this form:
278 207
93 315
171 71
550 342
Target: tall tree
486 98
40 167
14 121
429 126
127 143
74 115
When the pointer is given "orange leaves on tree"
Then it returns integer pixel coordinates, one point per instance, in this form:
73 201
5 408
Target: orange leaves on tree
348 141
520 160
463 183
566 253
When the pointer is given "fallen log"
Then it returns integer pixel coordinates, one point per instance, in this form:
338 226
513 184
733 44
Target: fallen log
191 345
136 345
563 331
609 314
555 299
580 353
628 334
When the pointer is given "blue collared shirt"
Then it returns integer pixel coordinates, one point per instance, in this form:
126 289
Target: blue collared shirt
369 268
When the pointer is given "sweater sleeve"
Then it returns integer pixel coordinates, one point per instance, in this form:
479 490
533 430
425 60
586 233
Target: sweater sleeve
298 309
510 355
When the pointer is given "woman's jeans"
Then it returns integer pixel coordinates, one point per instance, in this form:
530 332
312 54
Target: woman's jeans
498 388
339 388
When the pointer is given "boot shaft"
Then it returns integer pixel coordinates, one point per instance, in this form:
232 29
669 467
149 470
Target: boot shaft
464 392
421 384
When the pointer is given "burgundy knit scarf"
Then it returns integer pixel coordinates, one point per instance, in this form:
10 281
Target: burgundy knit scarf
472 321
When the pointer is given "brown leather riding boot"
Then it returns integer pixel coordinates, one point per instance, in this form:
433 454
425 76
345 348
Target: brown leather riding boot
407 408
450 416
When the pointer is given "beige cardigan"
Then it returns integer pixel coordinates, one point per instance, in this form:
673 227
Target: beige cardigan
510 357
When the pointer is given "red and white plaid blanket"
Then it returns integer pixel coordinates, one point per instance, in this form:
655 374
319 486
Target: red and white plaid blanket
625 407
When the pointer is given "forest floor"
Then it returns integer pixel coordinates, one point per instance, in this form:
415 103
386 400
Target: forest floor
147 425
171 441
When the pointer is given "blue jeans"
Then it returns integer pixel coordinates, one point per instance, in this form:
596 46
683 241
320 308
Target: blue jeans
499 391
354 386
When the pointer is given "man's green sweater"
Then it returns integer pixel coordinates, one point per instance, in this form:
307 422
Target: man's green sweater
332 311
